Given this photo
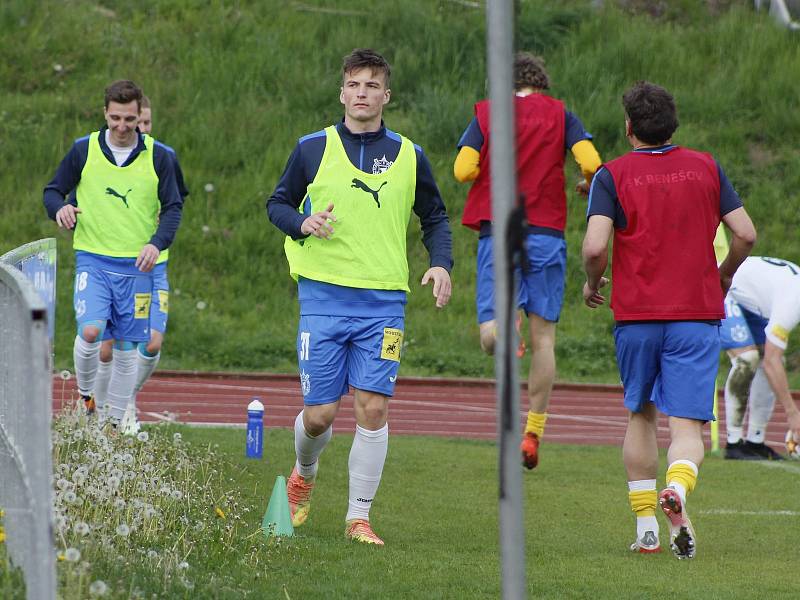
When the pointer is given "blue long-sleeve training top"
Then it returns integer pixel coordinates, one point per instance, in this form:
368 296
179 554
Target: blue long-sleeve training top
68 175
372 153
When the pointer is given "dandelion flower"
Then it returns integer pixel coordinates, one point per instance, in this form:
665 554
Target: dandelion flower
123 530
209 187
219 512
72 555
183 565
177 494
142 436
2 534
98 588
63 484
65 375
81 528
120 503
70 497
205 229
176 438
201 305
152 554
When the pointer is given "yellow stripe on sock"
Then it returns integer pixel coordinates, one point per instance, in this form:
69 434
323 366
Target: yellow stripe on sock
643 502
683 474
535 423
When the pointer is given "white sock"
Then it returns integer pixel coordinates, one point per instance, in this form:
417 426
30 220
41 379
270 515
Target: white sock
145 365
101 383
367 456
644 524
737 389
308 448
762 401
85 355
120 387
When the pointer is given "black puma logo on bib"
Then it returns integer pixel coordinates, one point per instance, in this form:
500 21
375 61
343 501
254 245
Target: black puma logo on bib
357 183
112 192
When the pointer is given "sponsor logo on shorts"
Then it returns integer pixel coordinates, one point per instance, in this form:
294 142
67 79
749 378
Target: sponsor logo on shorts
305 383
392 378
392 344
141 305
163 301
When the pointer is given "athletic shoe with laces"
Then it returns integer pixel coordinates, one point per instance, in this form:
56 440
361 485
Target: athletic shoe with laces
359 530
299 491
530 450
761 451
647 544
681 533
739 451
89 404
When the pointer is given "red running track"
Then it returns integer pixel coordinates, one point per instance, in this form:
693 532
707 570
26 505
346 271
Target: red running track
578 413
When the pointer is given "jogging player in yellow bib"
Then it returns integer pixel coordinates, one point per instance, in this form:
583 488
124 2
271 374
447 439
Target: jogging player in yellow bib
127 210
344 202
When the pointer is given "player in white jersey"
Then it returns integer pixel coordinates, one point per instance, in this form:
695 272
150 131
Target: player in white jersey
762 308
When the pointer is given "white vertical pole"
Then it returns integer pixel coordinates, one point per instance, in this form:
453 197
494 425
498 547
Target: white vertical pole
500 48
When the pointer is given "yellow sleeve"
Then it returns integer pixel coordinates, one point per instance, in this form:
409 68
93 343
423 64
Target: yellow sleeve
587 158
720 244
467 165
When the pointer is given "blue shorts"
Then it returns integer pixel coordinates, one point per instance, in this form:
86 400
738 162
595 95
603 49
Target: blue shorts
540 291
741 328
113 291
159 303
671 363
337 352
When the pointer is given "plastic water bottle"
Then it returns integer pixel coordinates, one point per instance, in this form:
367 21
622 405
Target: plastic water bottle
255 429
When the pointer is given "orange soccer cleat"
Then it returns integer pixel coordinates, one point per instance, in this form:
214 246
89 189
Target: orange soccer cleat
299 492
530 450
359 530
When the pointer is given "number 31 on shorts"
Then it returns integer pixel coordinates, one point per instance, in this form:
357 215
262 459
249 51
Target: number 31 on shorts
392 344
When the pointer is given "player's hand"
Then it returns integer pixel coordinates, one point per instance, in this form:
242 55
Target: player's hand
794 422
319 224
67 216
147 258
582 188
442 288
593 298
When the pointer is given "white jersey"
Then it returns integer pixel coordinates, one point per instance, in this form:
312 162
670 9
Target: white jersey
770 288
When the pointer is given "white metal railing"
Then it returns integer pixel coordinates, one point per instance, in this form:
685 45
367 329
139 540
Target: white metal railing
25 444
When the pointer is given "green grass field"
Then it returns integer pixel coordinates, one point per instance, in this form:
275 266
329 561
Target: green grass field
436 510
235 84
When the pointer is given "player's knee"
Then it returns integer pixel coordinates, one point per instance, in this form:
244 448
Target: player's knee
107 351
90 333
743 369
316 422
488 335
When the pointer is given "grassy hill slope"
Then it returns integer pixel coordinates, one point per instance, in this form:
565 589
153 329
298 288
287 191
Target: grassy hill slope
234 84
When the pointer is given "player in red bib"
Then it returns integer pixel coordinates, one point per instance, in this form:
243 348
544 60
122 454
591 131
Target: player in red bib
663 203
545 130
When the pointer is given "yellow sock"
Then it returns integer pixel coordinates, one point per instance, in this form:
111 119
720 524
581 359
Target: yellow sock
682 475
643 502
535 423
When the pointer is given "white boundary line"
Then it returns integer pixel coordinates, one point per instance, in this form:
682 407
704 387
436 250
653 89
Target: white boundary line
754 513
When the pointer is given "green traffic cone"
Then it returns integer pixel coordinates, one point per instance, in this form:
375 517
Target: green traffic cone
277 520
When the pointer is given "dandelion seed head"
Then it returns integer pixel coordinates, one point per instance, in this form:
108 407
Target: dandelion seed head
152 554
70 497
142 436
81 528
98 588
123 530
176 494
120 503
72 555
201 305
183 565
209 187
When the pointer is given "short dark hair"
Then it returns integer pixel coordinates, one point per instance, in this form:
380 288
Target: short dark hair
124 91
361 58
529 71
651 111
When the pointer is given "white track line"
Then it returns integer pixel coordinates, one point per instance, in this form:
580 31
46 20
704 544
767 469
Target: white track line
754 513
773 464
